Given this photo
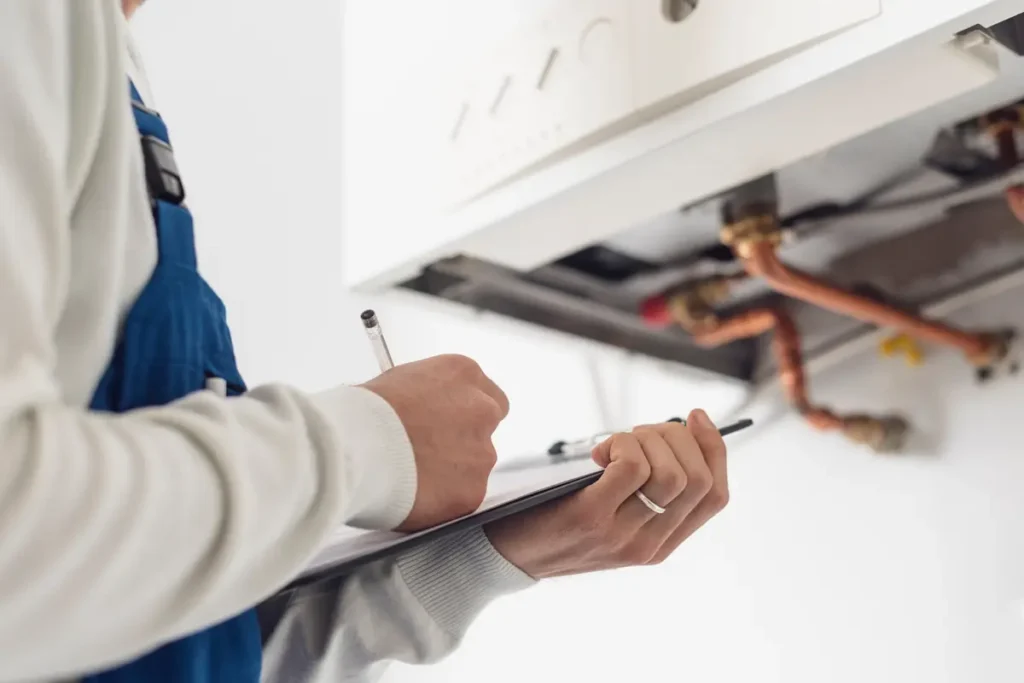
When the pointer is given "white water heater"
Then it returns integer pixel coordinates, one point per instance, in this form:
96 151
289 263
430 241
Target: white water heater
592 69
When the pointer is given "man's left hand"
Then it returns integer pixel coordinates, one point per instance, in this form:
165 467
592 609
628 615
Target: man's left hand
681 468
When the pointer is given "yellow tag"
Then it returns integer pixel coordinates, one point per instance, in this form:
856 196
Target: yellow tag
902 345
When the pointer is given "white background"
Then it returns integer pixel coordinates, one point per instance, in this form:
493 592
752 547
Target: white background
831 564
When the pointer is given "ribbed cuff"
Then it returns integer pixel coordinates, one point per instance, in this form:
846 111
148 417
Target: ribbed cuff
381 469
456 577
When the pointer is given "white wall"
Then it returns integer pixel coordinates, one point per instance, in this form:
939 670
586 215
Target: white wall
830 565
252 94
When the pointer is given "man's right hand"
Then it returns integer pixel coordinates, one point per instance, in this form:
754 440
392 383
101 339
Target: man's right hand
450 409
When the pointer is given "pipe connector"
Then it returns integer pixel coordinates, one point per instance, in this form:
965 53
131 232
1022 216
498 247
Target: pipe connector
996 358
690 307
744 233
1002 125
886 434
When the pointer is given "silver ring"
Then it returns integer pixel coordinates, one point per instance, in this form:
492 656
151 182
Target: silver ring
651 505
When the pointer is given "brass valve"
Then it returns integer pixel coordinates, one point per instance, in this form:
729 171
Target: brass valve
1001 125
1000 356
751 230
996 349
693 308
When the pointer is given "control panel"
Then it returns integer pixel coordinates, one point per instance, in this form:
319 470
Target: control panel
594 68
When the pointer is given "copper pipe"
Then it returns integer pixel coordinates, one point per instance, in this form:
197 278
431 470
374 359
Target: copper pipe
742 326
760 259
785 346
695 315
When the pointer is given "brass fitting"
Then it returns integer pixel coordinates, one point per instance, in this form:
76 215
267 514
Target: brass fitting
882 434
1001 121
691 312
692 308
996 349
1001 125
690 305
712 290
745 232
999 358
998 127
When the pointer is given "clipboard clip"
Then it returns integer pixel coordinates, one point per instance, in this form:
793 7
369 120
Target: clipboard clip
574 449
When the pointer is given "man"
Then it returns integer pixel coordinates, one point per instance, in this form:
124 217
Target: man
141 518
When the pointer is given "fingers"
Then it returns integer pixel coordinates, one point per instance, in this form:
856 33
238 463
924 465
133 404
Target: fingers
488 387
714 452
601 453
699 479
627 471
495 393
493 396
688 449
678 467
656 531
490 412
597 528
668 478
712 446
700 455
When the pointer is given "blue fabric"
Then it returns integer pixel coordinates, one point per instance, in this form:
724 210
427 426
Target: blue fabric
175 337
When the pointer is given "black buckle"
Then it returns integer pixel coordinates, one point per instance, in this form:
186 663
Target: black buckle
162 177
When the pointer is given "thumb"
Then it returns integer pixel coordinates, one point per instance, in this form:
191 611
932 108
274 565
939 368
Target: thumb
602 453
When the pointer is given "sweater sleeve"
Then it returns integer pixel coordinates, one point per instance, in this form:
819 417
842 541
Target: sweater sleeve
413 610
121 532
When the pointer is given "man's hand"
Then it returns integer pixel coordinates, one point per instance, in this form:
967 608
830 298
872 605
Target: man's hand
680 468
450 409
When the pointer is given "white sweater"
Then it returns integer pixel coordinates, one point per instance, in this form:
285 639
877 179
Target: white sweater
119 533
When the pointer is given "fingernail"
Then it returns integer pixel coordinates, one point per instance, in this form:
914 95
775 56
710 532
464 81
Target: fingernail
702 419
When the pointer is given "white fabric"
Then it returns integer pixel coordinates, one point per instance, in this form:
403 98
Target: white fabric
119 533
414 610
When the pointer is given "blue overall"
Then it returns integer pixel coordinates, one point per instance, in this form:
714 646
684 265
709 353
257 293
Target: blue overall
175 338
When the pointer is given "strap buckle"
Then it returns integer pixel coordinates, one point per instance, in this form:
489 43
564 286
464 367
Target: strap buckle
162 177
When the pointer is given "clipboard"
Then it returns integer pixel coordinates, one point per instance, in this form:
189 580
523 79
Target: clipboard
519 488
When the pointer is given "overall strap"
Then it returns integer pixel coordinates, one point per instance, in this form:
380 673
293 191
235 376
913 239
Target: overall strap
175 337
174 227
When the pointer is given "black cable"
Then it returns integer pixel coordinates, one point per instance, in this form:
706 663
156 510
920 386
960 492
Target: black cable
826 210
822 212
818 216
816 213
